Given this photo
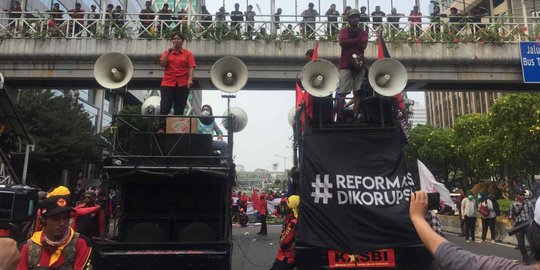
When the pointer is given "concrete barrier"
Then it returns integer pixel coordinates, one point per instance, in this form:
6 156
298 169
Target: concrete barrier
452 224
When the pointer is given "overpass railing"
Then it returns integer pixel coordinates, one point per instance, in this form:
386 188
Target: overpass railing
129 26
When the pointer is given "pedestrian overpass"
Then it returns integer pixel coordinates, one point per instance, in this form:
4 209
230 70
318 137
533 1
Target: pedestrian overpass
455 57
69 63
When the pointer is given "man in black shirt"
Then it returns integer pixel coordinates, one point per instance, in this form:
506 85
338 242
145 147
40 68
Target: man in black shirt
236 17
377 17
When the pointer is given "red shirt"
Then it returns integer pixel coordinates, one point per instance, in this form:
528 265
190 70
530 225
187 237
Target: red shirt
177 70
415 17
263 207
350 45
81 257
83 210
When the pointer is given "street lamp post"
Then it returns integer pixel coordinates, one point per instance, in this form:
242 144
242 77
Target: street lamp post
284 162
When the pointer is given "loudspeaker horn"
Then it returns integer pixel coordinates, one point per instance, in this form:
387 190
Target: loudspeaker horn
320 77
290 116
151 104
388 77
113 70
240 119
229 74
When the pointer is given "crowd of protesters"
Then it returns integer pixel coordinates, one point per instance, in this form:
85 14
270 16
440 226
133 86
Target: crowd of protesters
154 20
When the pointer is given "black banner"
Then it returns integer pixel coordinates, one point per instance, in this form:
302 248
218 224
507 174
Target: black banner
355 191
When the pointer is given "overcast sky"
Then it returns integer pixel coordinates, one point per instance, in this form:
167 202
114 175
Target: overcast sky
268 133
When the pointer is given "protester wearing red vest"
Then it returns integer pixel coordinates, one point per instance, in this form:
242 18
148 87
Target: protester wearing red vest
57 246
286 249
263 212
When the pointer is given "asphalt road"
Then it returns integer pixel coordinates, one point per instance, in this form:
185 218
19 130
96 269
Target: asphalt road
256 252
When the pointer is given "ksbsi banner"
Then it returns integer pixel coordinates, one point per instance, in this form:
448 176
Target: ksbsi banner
355 191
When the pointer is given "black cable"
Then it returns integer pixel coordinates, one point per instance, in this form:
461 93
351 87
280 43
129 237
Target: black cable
245 256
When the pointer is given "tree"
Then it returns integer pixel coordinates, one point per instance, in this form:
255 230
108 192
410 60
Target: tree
516 119
62 131
433 147
475 146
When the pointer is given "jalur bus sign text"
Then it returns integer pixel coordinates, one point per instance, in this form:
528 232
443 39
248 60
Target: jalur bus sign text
530 61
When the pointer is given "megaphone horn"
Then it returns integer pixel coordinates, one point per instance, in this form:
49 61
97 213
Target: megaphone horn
239 119
113 70
388 77
229 74
320 77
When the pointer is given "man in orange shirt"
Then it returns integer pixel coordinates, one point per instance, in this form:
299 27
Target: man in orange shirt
179 65
57 246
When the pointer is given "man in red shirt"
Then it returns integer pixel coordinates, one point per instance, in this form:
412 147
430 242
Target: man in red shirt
179 65
353 41
415 17
286 249
78 15
57 246
91 224
263 212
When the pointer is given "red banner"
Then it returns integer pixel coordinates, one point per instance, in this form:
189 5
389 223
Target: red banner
368 259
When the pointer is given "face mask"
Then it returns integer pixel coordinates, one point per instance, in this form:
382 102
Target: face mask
471 197
205 113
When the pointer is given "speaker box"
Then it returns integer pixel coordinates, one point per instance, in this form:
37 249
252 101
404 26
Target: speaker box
17 203
323 109
373 108
187 207
151 144
145 229
206 230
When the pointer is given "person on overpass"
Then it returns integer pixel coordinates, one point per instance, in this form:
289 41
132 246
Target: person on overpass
449 256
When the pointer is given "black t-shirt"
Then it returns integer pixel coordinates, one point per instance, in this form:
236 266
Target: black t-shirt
377 16
236 15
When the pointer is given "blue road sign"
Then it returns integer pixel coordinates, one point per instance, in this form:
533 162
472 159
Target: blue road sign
530 61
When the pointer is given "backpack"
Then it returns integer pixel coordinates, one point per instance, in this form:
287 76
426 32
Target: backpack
483 209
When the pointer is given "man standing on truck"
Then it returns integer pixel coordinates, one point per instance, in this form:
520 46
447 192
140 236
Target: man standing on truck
353 42
286 249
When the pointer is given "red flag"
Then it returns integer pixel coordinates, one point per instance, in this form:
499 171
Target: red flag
309 105
307 98
255 199
315 54
299 95
382 52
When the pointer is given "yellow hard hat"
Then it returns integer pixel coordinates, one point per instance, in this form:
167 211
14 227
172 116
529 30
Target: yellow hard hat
59 191
293 201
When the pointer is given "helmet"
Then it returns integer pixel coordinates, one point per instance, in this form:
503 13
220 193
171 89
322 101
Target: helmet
293 202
